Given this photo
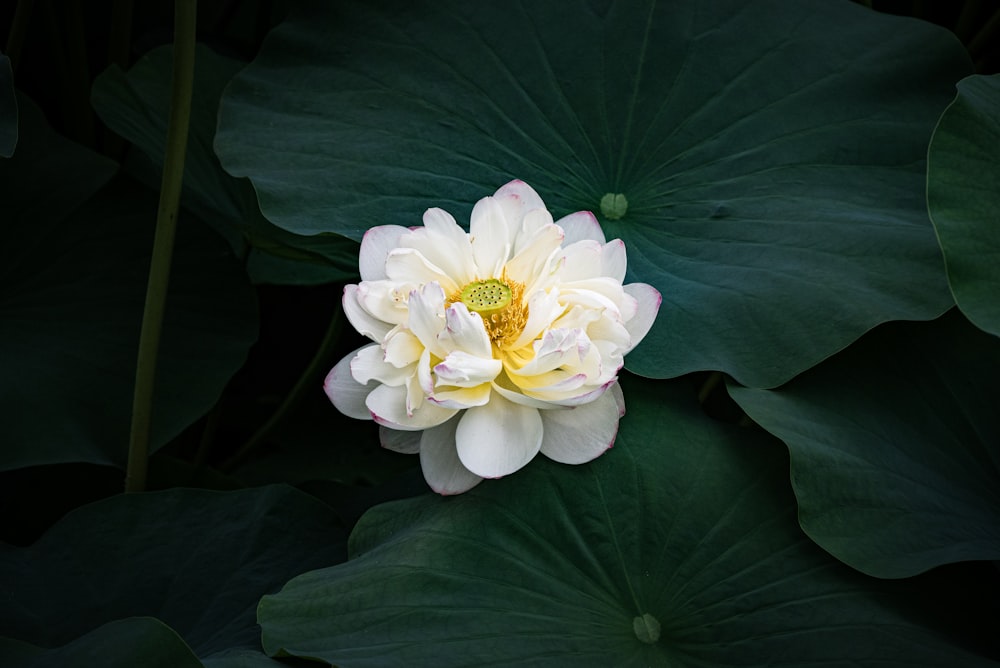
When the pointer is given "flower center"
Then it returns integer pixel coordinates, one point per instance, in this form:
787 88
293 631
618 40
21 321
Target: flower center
486 297
500 303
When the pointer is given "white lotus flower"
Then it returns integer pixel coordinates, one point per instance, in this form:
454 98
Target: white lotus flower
492 345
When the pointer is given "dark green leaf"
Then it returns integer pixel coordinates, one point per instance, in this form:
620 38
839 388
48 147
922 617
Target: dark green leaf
197 560
895 447
8 109
963 196
123 643
135 105
678 547
72 286
771 153
71 305
49 177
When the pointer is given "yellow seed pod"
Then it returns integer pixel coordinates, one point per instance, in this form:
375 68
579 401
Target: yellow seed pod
486 297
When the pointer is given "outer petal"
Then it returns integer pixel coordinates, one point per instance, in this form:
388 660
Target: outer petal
388 407
491 237
579 226
375 247
363 321
404 442
577 435
649 300
499 438
442 468
347 394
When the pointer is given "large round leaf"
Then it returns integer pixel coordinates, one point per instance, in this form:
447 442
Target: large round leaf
72 287
196 560
895 447
963 195
135 105
678 547
8 109
771 153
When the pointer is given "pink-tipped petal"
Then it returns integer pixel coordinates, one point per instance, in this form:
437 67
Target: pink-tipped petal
347 394
499 438
404 442
578 435
387 406
580 226
439 461
649 300
375 247
517 198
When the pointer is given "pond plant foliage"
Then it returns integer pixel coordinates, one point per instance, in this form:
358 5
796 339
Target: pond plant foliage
759 368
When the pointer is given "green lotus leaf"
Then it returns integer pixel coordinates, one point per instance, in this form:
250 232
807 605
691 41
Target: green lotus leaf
678 547
895 447
963 196
135 105
49 177
72 287
8 109
123 643
763 161
197 560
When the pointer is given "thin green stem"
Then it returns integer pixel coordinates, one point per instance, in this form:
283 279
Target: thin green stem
304 384
185 12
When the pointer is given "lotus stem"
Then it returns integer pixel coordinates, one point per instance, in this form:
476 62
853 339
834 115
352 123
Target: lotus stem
185 14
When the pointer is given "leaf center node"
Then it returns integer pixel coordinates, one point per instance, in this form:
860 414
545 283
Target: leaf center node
614 205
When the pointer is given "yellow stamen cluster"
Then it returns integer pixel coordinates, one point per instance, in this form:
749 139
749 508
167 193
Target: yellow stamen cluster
500 303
